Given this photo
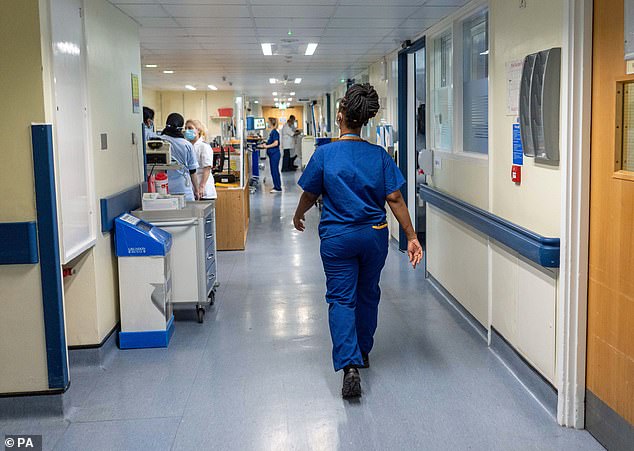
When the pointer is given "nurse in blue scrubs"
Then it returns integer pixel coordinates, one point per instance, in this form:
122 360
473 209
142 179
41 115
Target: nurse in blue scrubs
356 180
272 147
183 180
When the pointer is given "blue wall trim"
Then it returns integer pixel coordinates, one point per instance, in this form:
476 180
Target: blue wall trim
18 243
148 339
50 264
541 250
114 206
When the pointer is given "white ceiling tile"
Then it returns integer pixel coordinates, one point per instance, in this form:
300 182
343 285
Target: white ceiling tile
295 23
300 11
365 23
433 12
162 22
374 12
213 11
231 23
144 10
446 2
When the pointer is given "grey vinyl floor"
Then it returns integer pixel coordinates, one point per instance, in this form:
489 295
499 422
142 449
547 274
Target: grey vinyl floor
257 375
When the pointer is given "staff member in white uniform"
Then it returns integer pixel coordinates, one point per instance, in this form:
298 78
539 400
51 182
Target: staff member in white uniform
196 133
289 132
184 180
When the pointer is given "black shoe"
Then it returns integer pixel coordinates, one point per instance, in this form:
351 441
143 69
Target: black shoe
351 383
366 360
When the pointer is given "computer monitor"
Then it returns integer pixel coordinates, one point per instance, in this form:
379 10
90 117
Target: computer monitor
260 123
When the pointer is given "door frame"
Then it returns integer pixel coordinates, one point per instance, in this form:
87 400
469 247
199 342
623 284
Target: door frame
572 299
407 122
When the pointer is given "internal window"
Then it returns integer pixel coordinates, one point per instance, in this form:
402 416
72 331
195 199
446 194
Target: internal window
475 83
442 91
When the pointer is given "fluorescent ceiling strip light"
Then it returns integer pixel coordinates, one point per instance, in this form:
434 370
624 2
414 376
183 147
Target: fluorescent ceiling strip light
190 87
168 71
151 66
275 93
292 93
298 81
212 87
267 49
272 81
310 50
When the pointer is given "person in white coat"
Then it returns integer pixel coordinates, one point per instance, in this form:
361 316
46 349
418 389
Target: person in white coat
195 133
289 132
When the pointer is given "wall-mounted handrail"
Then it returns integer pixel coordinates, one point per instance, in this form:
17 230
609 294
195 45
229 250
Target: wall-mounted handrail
541 250
114 206
18 243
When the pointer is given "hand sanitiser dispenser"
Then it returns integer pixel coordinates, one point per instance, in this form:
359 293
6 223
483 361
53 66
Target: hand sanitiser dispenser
145 283
539 105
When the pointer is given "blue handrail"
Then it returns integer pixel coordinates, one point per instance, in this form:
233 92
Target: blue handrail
114 206
541 250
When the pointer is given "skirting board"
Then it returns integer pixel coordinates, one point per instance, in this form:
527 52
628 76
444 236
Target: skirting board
529 377
92 356
607 426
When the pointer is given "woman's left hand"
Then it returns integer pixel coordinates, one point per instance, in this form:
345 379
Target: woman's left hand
415 252
298 222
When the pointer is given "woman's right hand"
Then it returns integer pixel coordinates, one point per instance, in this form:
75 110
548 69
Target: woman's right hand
414 252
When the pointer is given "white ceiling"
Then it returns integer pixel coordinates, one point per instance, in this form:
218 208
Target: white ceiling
206 40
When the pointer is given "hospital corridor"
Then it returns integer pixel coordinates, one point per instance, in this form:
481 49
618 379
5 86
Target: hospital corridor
258 374
317 225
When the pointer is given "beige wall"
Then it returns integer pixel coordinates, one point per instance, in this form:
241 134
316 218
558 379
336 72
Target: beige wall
112 40
22 343
201 105
524 296
536 203
520 295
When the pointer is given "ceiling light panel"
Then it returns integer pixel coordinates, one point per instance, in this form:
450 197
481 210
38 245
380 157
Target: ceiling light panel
310 49
267 49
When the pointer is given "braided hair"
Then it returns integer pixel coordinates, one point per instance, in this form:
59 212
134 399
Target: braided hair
359 105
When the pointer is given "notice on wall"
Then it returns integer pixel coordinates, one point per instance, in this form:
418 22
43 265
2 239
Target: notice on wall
136 97
518 151
513 80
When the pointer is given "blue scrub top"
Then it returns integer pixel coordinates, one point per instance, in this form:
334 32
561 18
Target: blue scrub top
179 181
354 178
274 136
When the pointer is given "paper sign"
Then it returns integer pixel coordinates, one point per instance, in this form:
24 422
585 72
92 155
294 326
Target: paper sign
518 152
513 80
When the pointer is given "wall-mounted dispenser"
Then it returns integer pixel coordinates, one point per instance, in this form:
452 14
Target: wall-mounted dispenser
539 105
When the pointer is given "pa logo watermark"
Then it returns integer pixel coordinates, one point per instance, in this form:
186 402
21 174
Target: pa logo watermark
30 442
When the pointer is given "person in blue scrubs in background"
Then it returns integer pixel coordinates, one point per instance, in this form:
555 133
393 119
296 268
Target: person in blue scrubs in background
183 180
272 147
356 179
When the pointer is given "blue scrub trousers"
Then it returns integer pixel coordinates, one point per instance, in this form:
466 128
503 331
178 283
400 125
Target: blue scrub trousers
353 263
274 160
255 163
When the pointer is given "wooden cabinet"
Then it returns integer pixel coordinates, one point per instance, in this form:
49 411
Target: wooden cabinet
232 217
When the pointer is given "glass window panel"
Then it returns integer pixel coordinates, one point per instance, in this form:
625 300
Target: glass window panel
627 157
475 84
443 92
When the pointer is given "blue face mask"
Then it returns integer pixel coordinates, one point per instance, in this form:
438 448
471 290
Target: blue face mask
190 134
